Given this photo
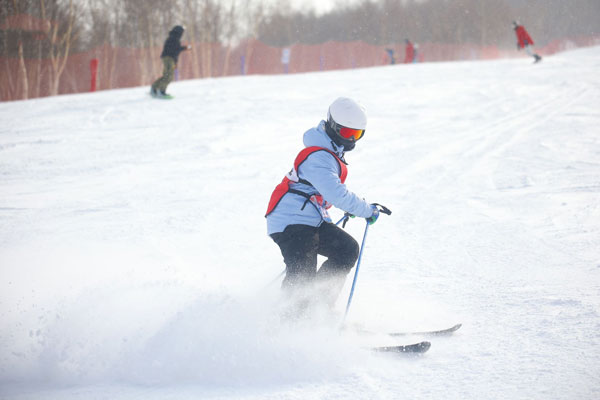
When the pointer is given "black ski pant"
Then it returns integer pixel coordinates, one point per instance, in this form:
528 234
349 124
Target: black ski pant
301 244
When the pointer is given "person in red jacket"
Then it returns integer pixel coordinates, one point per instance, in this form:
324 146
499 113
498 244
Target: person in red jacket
524 41
409 52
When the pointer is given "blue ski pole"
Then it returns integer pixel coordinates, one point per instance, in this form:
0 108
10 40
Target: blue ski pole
384 210
362 247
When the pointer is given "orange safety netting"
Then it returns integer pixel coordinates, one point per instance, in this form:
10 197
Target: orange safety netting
126 67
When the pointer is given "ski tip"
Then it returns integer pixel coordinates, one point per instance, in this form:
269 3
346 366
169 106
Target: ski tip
446 331
442 332
415 348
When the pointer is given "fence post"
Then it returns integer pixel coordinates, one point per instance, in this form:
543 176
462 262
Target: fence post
94 71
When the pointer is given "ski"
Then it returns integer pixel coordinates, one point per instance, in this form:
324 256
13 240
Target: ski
441 332
420 347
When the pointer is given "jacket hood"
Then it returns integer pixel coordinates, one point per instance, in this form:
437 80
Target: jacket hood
177 31
318 137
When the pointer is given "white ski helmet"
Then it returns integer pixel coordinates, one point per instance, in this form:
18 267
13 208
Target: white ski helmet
346 122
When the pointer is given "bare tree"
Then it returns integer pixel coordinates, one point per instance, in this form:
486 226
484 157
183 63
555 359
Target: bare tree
211 28
230 30
253 15
100 35
192 18
22 67
60 34
7 90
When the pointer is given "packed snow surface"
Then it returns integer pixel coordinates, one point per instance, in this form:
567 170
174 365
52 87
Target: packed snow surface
134 261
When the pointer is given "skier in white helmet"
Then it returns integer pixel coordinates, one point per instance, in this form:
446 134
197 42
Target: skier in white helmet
297 216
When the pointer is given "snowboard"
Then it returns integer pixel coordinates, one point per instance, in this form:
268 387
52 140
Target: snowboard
161 96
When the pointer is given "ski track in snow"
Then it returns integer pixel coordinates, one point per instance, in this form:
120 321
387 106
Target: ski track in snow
135 264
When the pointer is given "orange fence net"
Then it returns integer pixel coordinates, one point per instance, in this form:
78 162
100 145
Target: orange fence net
125 67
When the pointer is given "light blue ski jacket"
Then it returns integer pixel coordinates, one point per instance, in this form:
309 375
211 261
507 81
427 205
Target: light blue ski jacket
322 170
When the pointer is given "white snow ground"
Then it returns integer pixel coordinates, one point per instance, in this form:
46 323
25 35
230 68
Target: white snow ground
134 259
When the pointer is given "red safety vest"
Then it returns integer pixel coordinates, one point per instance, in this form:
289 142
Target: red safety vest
292 176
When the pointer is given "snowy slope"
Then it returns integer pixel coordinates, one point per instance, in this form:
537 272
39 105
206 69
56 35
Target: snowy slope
134 261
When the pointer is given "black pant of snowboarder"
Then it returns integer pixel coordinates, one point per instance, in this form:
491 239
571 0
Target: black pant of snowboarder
307 288
159 87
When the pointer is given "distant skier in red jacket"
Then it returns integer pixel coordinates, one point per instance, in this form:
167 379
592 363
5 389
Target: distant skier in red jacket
524 41
409 52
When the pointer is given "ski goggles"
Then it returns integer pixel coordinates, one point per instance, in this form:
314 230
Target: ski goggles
349 133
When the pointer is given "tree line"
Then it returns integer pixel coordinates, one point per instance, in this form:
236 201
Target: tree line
482 22
84 24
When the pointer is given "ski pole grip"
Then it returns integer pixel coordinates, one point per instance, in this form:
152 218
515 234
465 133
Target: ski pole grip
383 209
347 216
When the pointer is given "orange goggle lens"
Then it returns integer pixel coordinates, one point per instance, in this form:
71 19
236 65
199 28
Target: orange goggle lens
348 133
